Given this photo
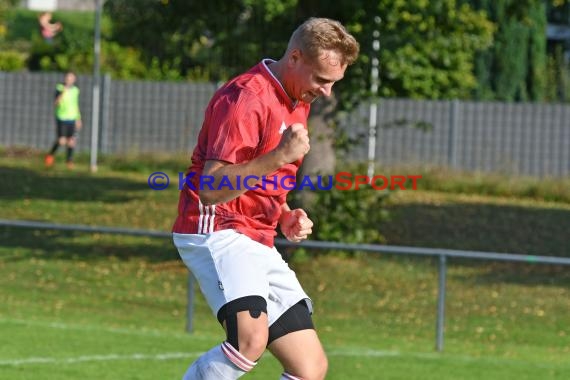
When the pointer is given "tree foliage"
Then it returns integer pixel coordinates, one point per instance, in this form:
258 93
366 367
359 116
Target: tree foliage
514 67
427 46
202 40
4 6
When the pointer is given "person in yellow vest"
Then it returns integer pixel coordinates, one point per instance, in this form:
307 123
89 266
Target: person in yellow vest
68 118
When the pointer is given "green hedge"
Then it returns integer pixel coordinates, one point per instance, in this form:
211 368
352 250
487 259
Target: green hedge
12 60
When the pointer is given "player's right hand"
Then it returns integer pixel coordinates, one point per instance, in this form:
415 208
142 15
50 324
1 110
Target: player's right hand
295 225
295 143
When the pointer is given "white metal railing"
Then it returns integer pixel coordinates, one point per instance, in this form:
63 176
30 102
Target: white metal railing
443 254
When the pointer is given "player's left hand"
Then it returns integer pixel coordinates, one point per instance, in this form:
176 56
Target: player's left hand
295 225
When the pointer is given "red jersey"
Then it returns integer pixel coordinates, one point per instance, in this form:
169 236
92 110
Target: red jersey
244 119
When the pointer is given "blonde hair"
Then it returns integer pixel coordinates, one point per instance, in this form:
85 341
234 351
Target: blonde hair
318 34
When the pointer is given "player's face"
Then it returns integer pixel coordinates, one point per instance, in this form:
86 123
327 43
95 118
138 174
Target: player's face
69 79
315 77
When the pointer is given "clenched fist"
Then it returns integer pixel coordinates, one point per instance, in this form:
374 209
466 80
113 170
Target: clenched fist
295 225
294 144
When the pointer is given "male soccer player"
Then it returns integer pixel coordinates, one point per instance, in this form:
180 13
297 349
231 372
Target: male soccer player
256 125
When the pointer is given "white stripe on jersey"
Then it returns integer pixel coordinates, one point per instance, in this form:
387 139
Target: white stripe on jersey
201 219
205 228
206 220
213 208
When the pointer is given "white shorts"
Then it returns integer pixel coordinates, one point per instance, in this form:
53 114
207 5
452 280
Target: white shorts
229 265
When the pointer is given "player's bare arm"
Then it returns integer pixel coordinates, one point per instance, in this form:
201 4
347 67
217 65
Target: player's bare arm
293 145
295 224
59 97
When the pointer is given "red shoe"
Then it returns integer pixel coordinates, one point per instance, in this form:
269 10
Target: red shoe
70 165
49 160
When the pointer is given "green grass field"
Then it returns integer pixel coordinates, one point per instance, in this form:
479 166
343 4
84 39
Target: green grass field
95 306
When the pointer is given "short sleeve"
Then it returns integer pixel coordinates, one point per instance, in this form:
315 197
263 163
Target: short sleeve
234 125
58 90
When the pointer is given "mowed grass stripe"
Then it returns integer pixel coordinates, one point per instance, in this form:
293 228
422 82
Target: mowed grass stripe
103 329
77 333
359 352
95 358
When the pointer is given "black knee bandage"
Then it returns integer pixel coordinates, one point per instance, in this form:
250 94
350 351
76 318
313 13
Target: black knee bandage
228 313
296 318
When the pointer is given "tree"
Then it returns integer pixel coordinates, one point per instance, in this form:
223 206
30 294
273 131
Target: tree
558 69
11 58
4 6
514 67
211 40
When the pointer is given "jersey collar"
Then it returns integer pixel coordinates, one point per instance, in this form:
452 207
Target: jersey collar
278 86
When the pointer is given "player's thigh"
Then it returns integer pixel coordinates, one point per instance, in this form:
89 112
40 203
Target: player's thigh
226 266
250 335
59 128
301 354
250 325
69 129
285 290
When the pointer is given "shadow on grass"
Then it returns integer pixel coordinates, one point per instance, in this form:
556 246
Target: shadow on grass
24 243
515 273
19 183
481 227
488 228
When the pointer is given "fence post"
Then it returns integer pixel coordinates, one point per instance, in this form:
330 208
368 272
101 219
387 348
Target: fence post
452 136
105 112
96 84
190 304
440 324
373 113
